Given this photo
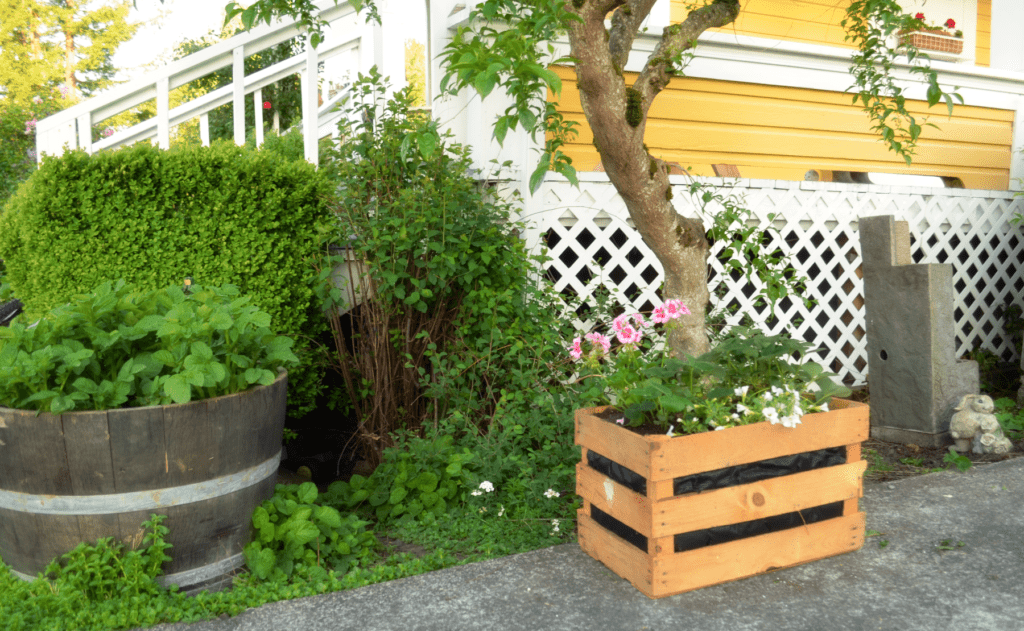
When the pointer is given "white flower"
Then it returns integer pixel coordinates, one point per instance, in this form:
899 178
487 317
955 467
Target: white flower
777 391
719 427
742 409
501 512
735 416
486 486
483 509
767 396
741 392
771 414
554 526
550 493
791 421
671 428
476 493
823 406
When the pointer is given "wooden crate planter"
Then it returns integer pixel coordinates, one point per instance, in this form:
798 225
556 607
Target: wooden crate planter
660 515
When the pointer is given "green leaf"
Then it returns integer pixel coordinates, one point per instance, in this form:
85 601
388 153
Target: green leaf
178 389
427 143
398 493
328 516
307 493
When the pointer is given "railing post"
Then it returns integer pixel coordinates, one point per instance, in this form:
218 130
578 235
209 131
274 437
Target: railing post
204 129
85 132
257 102
238 78
163 122
310 104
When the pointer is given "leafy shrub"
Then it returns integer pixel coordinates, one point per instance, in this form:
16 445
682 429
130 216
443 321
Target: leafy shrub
292 529
17 129
220 215
424 475
455 306
117 347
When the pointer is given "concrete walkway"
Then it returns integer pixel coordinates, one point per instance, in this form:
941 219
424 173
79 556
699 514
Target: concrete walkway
907 585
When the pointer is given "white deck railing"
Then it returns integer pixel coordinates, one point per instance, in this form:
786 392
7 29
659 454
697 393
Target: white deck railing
348 33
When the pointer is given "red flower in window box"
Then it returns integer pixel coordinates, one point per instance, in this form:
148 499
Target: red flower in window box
266 105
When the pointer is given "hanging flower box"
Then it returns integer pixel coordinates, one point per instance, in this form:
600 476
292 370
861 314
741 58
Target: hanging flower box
937 40
674 514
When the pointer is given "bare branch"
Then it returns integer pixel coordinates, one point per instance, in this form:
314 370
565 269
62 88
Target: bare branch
676 40
625 24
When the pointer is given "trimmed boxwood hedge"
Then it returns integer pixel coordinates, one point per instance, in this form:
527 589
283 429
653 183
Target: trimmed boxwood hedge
221 215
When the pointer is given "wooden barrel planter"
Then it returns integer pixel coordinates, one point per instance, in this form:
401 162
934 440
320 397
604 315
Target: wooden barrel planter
80 476
672 515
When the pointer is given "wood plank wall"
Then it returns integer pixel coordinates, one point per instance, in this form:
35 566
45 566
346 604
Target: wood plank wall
807 21
774 132
983 43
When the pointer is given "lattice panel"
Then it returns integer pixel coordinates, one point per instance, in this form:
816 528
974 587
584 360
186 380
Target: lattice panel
592 243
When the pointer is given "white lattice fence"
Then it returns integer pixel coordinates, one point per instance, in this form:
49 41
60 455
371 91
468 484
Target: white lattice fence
592 243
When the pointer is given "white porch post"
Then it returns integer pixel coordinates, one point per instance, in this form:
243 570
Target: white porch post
238 79
257 102
310 105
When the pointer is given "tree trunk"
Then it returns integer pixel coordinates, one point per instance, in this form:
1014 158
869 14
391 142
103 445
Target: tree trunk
69 49
617 116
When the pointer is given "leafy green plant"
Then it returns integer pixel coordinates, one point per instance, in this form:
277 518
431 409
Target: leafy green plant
948 544
293 528
747 378
219 215
1010 417
453 305
426 476
962 463
118 347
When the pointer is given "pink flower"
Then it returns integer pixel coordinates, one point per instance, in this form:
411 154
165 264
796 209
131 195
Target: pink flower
950 23
37 99
266 105
596 339
660 315
619 322
675 308
620 421
639 321
30 125
108 132
629 334
576 350
64 91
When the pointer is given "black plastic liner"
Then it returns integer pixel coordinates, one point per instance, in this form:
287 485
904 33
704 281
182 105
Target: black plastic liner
9 310
722 534
723 478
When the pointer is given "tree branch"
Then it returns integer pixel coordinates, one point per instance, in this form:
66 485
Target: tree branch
625 24
677 39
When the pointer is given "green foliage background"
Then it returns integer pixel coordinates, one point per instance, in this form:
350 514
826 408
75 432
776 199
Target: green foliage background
220 215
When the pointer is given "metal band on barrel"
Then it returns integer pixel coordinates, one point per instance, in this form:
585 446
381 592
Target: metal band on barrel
153 499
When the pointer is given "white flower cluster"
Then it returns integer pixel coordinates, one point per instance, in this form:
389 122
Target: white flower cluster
550 493
485 487
777 406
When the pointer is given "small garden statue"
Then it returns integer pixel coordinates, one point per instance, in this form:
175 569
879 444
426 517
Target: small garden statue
974 427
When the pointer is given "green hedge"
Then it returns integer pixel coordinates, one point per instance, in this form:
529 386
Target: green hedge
220 215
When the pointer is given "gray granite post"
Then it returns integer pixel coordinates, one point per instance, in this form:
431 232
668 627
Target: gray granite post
913 373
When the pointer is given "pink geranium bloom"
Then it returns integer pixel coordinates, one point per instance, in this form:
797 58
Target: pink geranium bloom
598 340
629 334
660 315
639 321
675 308
619 322
576 350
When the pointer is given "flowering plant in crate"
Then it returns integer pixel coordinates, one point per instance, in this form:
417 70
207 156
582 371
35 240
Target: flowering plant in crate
946 28
747 378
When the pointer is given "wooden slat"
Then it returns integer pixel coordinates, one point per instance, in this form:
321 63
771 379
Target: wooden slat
233 434
686 571
618 555
138 449
753 443
87 444
620 502
627 448
747 502
34 449
190 449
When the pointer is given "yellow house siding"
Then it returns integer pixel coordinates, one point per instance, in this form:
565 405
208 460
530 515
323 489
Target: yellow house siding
807 21
983 47
777 132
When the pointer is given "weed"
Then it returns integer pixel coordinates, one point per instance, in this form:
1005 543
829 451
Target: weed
962 463
947 544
